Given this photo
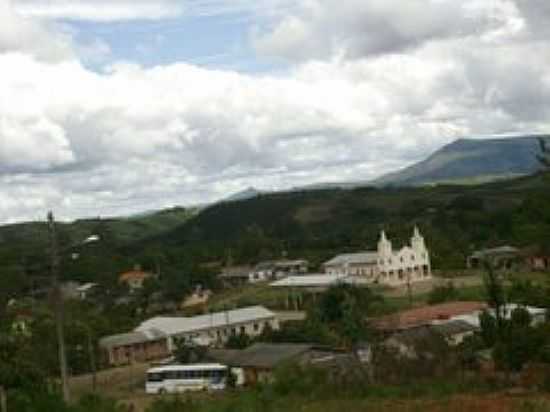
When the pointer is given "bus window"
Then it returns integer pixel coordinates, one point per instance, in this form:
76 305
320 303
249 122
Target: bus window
155 377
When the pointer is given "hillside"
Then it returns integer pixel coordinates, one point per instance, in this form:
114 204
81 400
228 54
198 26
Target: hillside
317 224
470 161
26 244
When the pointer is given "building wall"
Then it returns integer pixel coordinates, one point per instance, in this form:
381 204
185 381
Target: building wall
219 335
138 352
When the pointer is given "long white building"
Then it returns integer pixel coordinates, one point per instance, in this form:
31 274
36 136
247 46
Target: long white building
214 328
387 266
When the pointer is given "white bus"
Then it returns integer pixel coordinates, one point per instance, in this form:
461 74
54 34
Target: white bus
181 378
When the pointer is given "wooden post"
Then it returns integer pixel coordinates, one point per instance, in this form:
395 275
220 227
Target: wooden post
3 400
58 309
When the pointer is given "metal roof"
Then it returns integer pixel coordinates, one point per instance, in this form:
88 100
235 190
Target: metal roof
180 325
130 338
453 327
187 367
317 280
353 258
495 251
262 355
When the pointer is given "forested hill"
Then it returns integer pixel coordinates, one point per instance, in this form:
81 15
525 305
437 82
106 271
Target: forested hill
471 161
317 224
24 246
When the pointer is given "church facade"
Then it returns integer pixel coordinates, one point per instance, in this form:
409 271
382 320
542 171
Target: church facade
386 266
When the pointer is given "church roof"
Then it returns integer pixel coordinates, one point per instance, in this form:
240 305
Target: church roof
353 258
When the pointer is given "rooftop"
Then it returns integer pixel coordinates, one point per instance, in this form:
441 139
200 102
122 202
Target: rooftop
315 280
134 274
130 338
261 355
453 327
353 258
427 314
501 250
179 325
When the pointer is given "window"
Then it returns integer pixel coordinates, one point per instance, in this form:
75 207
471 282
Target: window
243 330
155 377
256 327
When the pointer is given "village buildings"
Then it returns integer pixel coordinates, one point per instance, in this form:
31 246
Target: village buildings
159 336
386 266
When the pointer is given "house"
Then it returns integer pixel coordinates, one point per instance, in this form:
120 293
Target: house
199 297
137 346
86 290
261 359
134 278
413 342
69 290
538 262
386 265
426 315
538 315
235 276
317 282
454 331
503 257
213 328
277 269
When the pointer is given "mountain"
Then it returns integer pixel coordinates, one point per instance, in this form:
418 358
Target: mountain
246 194
470 161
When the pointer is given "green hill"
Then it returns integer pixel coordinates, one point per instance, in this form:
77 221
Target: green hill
317 224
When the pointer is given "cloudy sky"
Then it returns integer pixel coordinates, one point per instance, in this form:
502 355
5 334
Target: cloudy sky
110 107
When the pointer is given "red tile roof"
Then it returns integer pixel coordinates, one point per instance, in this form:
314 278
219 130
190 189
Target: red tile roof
134 275
426 314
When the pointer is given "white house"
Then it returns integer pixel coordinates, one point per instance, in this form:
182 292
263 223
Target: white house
409 264
277 269
212 328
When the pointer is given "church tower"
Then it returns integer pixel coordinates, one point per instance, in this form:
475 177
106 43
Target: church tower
384 246
417 241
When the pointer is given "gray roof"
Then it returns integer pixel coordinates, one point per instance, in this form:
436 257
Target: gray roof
502 250
130 338
453 327
353 258
415 336
180 325
263 355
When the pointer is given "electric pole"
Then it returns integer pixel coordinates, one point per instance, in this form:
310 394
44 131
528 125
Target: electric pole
58 308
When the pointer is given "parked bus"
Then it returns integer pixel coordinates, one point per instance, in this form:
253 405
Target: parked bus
181 378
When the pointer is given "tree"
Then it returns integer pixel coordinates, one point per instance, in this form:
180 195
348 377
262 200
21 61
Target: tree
494 291
238 341
344 309
188 353
443 293
544 155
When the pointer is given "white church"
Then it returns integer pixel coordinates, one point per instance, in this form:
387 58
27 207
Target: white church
385 265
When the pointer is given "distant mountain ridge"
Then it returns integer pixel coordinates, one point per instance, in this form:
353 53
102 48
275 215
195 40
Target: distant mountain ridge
471 161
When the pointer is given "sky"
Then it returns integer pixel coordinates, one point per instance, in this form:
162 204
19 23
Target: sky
115 107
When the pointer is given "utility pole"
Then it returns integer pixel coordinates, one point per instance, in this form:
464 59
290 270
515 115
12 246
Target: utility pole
58 308
91 356
3 399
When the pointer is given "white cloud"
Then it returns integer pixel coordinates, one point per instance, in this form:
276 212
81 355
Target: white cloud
131 138
319 29
101 10
31 36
